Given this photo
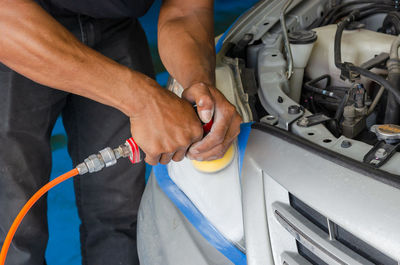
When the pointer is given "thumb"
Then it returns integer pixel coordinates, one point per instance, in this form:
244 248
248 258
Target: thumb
200 95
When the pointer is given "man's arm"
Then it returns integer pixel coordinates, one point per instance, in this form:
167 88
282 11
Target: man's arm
186 46
38 47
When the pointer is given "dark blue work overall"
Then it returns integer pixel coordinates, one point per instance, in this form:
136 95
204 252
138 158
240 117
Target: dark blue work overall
107 201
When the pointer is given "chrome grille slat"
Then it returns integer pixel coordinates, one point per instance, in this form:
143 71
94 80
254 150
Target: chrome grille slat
340 235
315 239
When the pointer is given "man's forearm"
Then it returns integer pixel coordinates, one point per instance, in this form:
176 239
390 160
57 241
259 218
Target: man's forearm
186 41
37 46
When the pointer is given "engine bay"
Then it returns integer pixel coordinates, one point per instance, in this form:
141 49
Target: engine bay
333 78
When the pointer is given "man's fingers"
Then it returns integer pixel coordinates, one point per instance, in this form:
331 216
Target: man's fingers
218 151
166 158
152 160
214 138
200 95
179 155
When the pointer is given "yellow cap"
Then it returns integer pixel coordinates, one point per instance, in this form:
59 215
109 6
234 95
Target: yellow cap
215 165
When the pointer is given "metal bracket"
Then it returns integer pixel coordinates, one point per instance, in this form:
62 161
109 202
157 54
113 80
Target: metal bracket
380 154
313 120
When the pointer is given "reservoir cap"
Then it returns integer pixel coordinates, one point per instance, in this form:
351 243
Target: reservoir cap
302 37
390 133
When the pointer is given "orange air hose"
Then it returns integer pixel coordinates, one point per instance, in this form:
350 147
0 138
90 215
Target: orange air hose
108 158
28 206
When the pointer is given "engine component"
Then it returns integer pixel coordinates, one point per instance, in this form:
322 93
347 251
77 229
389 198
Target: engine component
380 154
313 120
389 133
288 49
348 71
301 45
274 85
391 24
345 71
354 116
358 46
353 123
269 119
359 96
378 61
392 114
368 8
310 85
294 109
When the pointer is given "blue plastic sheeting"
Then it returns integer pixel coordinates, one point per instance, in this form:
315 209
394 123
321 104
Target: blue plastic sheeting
243 137
194 216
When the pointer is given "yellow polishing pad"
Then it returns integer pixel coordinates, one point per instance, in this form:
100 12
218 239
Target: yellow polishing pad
215 165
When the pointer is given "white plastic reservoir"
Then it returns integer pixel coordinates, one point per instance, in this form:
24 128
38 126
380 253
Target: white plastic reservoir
358 46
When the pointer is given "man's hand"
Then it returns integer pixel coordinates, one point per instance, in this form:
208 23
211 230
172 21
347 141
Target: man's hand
226 126
187 49
165 126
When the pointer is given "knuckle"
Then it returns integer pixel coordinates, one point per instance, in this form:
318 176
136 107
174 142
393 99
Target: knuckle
230 109
152 152
164 162
177 158
170 149
150 162
184 141
184 144
170 146
198 132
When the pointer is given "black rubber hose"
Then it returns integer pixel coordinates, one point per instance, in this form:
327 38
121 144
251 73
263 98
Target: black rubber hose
369 8
338 37
373 12
310 85
320 78
322 91
340 109
392 114
327 18
391 24
332 12
338 58
339 88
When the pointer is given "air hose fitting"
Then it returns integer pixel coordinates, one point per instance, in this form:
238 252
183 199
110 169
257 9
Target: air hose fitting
96 162
108 157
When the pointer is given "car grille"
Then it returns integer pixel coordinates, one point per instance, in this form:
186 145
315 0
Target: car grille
336 233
